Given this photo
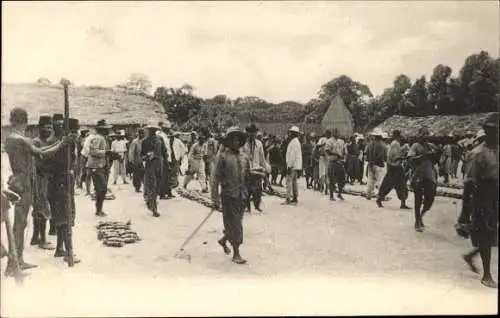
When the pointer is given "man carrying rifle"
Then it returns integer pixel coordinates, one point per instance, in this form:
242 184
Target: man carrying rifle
395 176
20 150
61 191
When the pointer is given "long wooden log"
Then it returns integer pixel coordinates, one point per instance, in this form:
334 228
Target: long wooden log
69 214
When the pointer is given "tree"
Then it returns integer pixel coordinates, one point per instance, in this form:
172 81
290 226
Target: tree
479 78
219 100
139 83
350 91
43 81
177 105
438 89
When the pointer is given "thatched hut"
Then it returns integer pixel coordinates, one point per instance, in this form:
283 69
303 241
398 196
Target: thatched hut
338 117
439 126
87 104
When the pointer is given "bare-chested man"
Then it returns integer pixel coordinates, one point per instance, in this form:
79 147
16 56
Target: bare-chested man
20 150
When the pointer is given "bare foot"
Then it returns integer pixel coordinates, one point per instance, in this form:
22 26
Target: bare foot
226 249
489 282
472 267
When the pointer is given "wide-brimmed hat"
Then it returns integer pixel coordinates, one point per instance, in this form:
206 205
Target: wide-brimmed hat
102 124
165 124
321 141
112 134
294 129
480 134
44 120
491 121
377 132
234 131
252 129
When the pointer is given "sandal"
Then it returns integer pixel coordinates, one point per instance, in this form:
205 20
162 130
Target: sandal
471 265
226 249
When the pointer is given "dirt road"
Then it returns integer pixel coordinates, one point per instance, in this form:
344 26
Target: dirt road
316 258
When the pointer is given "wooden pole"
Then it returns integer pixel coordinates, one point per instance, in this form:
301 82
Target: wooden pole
69 214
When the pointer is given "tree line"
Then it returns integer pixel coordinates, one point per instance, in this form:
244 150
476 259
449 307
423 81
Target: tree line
474 90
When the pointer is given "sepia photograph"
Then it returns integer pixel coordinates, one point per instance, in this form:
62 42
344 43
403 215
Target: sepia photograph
249 158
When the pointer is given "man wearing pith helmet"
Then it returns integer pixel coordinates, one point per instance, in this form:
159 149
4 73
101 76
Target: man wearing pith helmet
293 165
230 171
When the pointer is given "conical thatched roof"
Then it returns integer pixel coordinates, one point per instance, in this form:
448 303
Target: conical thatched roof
439 126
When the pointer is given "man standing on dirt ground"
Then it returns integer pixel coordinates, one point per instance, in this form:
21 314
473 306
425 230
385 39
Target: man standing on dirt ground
375 157
209 152
482 174
422 156
41 209
293 165
58 128
196 165
175 152
135 157
395 176
335 150
307 150
230 171
20 151
61 194
254 150
97 164
154 154
119 145
162 133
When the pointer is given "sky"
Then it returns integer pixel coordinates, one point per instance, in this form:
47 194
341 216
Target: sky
278 51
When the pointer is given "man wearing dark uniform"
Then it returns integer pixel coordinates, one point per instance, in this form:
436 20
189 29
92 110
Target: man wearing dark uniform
61 187
20 151
135 157
230 171
154 152
482 177
41 209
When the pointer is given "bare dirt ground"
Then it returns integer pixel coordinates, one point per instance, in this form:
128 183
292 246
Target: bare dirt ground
317 258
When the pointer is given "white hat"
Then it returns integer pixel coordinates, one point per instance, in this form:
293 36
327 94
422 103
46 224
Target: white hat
377 132
480 134
385 135
321 141
122 132
294 129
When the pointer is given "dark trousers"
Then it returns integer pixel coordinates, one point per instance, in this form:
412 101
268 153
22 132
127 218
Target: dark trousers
137 175
394 178
424 192
153 180
232 217
254 188
100 180
336 176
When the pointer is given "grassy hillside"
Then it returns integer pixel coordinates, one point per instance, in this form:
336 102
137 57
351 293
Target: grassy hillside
88 104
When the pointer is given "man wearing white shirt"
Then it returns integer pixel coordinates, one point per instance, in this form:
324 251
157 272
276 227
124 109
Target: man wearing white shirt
293 165
119 146
85 154
175 152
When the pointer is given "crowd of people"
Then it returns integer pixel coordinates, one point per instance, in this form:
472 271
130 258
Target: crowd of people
243 164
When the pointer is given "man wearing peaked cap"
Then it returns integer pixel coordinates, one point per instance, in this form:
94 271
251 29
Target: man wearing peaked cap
41 209
230 171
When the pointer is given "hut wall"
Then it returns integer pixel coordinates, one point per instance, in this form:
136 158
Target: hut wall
338 117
